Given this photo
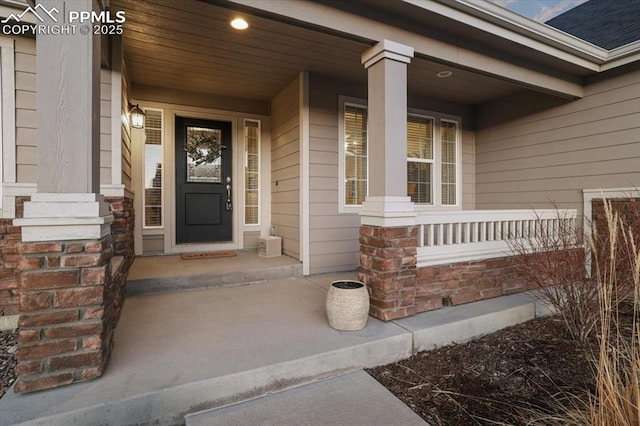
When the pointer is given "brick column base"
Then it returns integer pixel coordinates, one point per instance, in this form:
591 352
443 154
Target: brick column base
69 307
388 268
122 227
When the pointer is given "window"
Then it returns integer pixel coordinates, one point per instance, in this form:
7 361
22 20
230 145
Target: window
251 172
353 153
433 158
153 169
420 159
448 141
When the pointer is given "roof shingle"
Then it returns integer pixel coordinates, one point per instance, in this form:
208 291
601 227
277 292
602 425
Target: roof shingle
606 23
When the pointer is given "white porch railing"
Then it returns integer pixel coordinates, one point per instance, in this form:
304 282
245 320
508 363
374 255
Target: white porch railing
460 236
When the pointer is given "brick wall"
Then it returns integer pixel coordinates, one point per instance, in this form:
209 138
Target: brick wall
9 241
628 210
398 288
388 268
121 231
465 282
122 227
71 295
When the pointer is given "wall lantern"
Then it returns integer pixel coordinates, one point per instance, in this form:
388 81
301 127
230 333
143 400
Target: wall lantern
136 116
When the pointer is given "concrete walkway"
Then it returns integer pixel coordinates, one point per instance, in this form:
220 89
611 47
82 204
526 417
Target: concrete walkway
350 399
187 352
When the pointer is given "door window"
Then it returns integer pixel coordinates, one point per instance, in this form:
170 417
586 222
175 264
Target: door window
204 151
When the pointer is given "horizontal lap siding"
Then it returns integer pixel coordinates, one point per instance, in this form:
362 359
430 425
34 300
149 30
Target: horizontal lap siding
153 244
334 244
125 131
105 126
333 237
26 110
26 115
285 167
549 157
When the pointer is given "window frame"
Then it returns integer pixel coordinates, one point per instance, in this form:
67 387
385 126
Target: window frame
458 162
432 161
436 187
246 159
343 102
438 118
163 184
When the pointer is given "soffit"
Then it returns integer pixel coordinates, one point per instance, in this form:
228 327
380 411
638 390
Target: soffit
422 21
189 45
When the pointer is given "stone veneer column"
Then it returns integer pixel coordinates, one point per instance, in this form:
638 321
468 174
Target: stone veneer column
67 302
66 320
388 235
388 268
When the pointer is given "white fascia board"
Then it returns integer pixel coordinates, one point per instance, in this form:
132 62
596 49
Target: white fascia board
623 55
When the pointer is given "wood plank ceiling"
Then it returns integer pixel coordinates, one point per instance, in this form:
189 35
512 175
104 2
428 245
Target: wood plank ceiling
189 45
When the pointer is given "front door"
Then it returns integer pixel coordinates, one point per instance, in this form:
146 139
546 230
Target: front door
203 181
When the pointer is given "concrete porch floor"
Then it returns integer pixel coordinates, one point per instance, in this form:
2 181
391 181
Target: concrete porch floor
164 274
186 352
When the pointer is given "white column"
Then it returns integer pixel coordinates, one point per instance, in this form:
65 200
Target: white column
68 204
387 203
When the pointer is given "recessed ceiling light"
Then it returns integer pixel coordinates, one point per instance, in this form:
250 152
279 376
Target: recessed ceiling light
444 74
239 24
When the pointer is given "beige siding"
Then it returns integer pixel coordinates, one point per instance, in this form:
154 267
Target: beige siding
251 239
333 236
547 157
125 131
105 126
152 244
285 167
26 115
26 110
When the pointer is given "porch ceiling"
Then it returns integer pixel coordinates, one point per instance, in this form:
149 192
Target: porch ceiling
189 45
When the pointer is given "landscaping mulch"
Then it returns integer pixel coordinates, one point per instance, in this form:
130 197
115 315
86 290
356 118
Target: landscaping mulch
8 346
496 379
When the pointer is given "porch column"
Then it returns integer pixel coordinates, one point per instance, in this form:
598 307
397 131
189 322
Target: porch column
68 303
387 203
388 235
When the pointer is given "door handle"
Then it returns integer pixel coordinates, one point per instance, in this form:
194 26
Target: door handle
228 204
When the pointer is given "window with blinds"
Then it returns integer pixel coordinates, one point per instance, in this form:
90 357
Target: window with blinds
420 159
355 154
251 172
153 169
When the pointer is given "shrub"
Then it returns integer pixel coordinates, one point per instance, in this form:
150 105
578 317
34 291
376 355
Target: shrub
616 270
553 261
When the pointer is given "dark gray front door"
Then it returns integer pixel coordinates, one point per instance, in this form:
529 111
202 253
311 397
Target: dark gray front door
203 181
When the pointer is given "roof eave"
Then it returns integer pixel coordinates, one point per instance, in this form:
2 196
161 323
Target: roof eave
494 19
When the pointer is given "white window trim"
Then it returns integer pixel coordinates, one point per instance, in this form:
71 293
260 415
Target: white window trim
433 162
248 226
149 229
344 101
458 123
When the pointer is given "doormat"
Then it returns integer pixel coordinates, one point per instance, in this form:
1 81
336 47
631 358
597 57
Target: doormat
210 255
